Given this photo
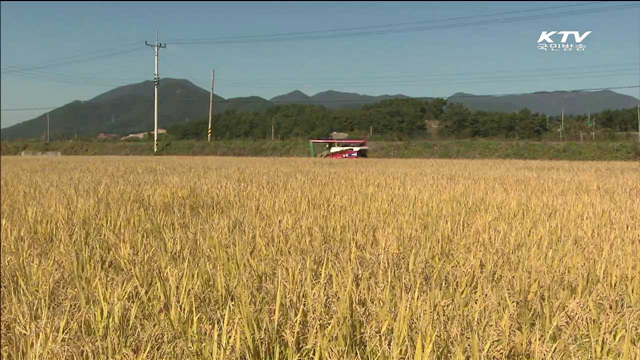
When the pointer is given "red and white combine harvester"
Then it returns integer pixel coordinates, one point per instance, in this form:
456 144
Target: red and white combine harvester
339 147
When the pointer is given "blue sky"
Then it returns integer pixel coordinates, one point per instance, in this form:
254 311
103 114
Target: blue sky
489 58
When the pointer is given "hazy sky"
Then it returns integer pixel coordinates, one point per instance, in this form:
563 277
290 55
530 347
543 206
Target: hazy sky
479 55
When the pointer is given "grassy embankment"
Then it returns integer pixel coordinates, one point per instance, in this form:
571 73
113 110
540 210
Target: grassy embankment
441 149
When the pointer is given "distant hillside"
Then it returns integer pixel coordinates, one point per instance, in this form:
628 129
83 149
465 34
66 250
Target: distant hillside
550 103
332 99
295 96
249 103
335 99
129 108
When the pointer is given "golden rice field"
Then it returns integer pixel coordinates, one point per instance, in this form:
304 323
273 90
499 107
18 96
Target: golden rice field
248 258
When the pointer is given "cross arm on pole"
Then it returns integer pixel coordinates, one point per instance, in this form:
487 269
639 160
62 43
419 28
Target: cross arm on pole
160 45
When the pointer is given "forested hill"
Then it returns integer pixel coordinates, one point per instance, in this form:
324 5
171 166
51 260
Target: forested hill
550 103
129 109
407 118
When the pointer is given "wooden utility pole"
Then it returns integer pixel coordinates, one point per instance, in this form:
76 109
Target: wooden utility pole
593 129
273 132
47 128
562 126
591 124
209 132
517 122
156 82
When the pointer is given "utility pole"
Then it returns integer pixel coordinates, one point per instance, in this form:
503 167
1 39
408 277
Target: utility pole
562 126
156 82
593 129
47 128
209 132
638 122
588 124
517 121
273 131
560 131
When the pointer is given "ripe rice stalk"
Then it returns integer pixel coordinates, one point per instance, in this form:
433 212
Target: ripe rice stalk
243 258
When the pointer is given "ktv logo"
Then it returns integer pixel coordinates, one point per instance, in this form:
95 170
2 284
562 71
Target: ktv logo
545 40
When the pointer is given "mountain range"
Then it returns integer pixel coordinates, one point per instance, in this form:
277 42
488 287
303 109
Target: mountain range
550 103
129 109
332 99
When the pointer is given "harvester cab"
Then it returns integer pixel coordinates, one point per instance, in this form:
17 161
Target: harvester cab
340 148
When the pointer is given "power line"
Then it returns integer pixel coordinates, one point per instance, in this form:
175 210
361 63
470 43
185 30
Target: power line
289 37
417 97
435 80
527 93
519 78
438 80
109 53
64 60
66 75
546 70
391 80
66 80
362 82
383 26
486 80
81 55
332 101
29 109
132 46
128 50
84 103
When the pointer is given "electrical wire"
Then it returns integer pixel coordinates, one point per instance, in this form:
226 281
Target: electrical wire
373 99
31 71
434 79
260 39
72 61
546 70
382 26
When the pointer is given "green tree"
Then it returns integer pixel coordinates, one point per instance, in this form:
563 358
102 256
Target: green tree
455 120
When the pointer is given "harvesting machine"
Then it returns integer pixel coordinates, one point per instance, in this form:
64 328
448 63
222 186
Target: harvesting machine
340 147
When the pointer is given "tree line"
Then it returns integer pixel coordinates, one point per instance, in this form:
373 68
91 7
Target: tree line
400 119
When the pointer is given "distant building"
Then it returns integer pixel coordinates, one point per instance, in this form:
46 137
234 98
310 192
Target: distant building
339 136
142 134
41 153
108 136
